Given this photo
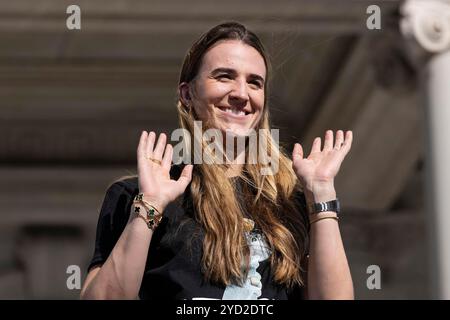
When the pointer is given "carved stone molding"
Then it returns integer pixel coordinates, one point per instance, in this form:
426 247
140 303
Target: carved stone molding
428 23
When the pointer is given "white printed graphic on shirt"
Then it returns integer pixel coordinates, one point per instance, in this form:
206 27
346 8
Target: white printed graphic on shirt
252 287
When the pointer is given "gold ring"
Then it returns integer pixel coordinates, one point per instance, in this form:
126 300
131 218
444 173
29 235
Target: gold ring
154 160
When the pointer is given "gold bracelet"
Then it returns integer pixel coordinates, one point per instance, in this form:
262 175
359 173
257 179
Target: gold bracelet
151 209
324 216
148 206
151 221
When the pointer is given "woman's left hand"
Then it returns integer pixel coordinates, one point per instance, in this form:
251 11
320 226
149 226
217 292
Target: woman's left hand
318 170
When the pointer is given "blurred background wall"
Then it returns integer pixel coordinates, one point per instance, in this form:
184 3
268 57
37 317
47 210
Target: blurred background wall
73 104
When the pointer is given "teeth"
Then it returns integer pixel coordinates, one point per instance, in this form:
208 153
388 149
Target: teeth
235 111
239 113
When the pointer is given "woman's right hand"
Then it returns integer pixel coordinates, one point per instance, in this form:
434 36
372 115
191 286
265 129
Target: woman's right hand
154 179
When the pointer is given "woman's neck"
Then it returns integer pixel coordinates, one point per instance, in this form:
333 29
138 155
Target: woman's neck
236 166
237 163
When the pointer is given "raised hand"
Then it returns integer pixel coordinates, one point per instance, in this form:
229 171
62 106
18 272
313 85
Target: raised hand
321 166
154 164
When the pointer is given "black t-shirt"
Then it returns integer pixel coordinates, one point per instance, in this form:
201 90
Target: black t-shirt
173 266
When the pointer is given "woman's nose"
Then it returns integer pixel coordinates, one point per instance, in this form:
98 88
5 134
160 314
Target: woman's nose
239 92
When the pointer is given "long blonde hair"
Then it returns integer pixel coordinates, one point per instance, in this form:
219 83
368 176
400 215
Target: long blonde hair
271 199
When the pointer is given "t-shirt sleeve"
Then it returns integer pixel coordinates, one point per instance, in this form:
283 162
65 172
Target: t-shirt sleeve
113 218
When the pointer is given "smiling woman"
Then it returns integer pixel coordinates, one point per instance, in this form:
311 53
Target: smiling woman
223 231
229 88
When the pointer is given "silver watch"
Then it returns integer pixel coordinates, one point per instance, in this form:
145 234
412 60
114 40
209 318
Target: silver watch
332 205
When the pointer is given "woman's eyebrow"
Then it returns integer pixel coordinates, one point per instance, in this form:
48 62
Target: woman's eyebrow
223 70
233 72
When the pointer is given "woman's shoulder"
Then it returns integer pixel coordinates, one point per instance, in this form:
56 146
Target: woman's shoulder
128 184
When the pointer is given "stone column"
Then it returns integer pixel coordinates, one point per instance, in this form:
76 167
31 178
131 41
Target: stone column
426 25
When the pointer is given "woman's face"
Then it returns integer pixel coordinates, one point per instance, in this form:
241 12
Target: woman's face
229 87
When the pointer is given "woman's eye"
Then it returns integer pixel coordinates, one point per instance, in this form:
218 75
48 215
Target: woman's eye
224 76
256 83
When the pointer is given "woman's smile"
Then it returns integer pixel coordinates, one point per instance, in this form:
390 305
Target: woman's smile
234 113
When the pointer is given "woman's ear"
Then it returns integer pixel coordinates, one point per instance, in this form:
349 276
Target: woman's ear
184 93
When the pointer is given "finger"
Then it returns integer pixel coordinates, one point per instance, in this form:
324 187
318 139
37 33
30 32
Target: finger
316 145
150 143
167 159
141 146
346 145
185 177
339 139
348 141
297 153
160 145
328 143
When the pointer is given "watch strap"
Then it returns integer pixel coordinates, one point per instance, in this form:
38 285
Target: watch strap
333 205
